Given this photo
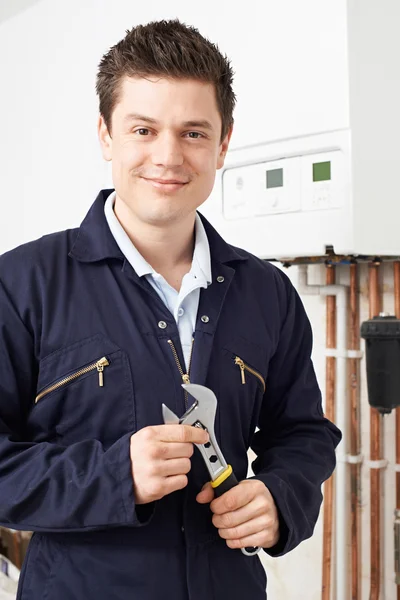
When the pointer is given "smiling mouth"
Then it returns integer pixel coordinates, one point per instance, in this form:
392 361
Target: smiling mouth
165 181
166 184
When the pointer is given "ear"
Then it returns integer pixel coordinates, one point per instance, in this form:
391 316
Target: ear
105 139
223 149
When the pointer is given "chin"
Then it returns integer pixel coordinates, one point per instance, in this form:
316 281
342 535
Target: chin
164 217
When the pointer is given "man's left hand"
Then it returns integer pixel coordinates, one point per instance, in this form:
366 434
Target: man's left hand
245 515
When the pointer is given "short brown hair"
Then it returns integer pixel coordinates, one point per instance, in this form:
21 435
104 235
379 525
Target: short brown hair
171 49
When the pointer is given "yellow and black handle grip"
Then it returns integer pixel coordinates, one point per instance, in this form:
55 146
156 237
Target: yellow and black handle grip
226 481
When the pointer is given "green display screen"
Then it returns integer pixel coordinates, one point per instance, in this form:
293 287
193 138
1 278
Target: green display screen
274 178
322 171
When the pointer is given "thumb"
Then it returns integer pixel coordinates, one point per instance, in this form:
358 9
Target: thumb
206 494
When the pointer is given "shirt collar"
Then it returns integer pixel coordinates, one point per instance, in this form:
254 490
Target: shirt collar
201 263
133 255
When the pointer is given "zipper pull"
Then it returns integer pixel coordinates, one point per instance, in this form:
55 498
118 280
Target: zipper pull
238 361
103 362
185 378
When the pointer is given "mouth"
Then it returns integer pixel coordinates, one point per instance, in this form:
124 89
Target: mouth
167 185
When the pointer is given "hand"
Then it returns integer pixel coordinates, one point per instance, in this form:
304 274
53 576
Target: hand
160 458
245 515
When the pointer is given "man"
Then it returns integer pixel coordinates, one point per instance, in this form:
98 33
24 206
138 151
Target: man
101 324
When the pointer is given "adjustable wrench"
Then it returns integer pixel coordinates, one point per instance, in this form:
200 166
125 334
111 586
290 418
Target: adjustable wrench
202 414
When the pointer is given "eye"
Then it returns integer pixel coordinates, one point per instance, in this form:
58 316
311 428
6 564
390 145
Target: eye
195 135
143 131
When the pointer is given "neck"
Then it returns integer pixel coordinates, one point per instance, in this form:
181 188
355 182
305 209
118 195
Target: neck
166 248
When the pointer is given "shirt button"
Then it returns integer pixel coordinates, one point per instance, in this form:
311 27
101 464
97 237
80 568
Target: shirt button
183 529
220 279
162 324
205 319
180 312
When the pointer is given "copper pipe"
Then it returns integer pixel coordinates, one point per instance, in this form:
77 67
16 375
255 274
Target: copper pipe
396 274
330 414
376 454
355 434
17 549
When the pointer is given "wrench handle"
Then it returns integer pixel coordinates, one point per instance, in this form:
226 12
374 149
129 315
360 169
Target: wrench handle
225 482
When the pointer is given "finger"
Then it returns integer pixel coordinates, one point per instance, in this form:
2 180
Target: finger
255 540
206 495
233 499
168 450
235 518
255 526
174 483
174 466
181 433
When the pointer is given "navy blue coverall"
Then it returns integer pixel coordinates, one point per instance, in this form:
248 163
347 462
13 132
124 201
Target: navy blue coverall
73 315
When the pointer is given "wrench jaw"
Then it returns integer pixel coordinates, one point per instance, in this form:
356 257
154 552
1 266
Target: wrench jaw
189 418
206 405
203 415
169 417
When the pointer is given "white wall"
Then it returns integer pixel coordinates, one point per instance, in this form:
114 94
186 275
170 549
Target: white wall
50 162
11 9
290 59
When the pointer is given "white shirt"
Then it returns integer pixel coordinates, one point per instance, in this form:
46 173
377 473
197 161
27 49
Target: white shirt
183 304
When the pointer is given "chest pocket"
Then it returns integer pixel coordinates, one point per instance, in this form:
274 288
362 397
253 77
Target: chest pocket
248 362
84 392
244 370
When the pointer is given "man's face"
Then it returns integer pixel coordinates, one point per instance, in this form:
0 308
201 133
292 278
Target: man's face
165 146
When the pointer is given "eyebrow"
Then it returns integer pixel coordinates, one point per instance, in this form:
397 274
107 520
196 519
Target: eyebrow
203 123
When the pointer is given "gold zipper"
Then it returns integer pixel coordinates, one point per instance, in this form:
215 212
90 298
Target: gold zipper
244 367
99 365
185 376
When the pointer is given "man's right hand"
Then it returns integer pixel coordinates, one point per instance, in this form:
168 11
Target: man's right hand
160 457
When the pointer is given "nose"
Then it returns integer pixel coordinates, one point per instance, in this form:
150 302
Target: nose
167 151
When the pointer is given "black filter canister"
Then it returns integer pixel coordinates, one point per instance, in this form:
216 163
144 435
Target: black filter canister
382 347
